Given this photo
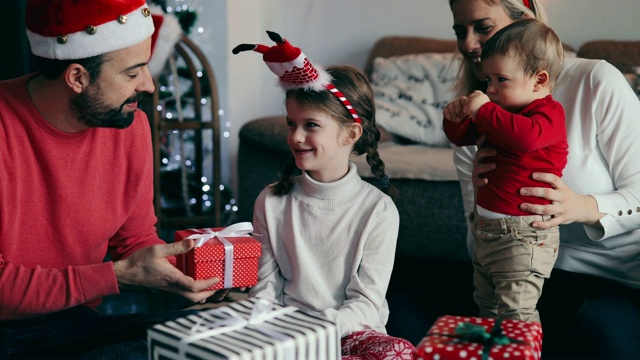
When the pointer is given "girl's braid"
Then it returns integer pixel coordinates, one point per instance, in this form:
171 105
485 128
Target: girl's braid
370 143
285 182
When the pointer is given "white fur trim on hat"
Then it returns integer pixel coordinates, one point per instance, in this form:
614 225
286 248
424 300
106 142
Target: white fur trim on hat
110 36
168 35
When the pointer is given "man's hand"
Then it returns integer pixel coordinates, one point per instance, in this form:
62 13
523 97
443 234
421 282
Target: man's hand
566 206
475 100
149 267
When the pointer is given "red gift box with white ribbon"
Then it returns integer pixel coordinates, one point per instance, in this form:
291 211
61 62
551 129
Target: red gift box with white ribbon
229 253
462 337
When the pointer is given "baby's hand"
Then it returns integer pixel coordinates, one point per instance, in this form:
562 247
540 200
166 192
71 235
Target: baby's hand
454 111
475 100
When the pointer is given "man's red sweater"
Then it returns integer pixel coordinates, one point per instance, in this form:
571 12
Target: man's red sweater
65 200
534 140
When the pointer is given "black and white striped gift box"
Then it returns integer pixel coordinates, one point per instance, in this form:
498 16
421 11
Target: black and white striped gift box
280 333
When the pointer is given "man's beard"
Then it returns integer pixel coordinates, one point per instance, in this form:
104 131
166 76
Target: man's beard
91 110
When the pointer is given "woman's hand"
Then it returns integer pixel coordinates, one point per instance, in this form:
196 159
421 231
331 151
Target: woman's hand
480 167
566 206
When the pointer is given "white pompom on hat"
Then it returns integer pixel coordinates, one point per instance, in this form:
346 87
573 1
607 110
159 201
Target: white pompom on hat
71 29
168 33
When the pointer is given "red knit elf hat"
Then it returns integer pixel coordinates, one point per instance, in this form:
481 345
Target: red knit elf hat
71 29
295 70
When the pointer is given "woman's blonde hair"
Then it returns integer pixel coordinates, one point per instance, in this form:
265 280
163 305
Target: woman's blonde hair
467 81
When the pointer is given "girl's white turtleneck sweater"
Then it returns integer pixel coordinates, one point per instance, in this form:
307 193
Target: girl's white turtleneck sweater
328 248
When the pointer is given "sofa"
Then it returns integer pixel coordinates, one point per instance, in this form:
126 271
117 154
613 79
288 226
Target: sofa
432 274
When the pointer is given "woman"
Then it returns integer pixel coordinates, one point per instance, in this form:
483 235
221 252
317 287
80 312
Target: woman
594 291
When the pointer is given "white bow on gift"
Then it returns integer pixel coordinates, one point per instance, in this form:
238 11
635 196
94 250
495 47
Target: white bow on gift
224 320
235 230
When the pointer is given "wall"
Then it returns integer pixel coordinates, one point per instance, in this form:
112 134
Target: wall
339 31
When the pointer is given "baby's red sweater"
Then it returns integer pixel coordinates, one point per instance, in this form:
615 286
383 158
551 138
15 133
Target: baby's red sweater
65 200
533 140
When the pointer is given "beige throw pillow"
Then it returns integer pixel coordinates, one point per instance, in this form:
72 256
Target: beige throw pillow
410 93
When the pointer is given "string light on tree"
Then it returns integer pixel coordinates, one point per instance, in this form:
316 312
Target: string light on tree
175 159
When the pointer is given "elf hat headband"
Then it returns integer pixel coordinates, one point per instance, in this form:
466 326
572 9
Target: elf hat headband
71 29
295 70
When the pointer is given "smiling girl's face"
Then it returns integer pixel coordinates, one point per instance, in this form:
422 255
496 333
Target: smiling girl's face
319 144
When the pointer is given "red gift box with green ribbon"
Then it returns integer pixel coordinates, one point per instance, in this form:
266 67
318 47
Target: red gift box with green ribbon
462 337
229 253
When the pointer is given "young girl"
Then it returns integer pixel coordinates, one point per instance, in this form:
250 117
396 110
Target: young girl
328 237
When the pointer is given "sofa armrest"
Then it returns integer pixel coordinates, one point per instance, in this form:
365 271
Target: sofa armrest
267 132
262 154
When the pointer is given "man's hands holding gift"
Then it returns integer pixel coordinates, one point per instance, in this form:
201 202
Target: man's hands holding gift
149 268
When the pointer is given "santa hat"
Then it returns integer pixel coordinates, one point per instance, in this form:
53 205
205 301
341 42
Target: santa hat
168 33
295 70
71 29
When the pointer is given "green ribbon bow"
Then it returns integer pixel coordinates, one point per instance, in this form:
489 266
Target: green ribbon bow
477 333
469 332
